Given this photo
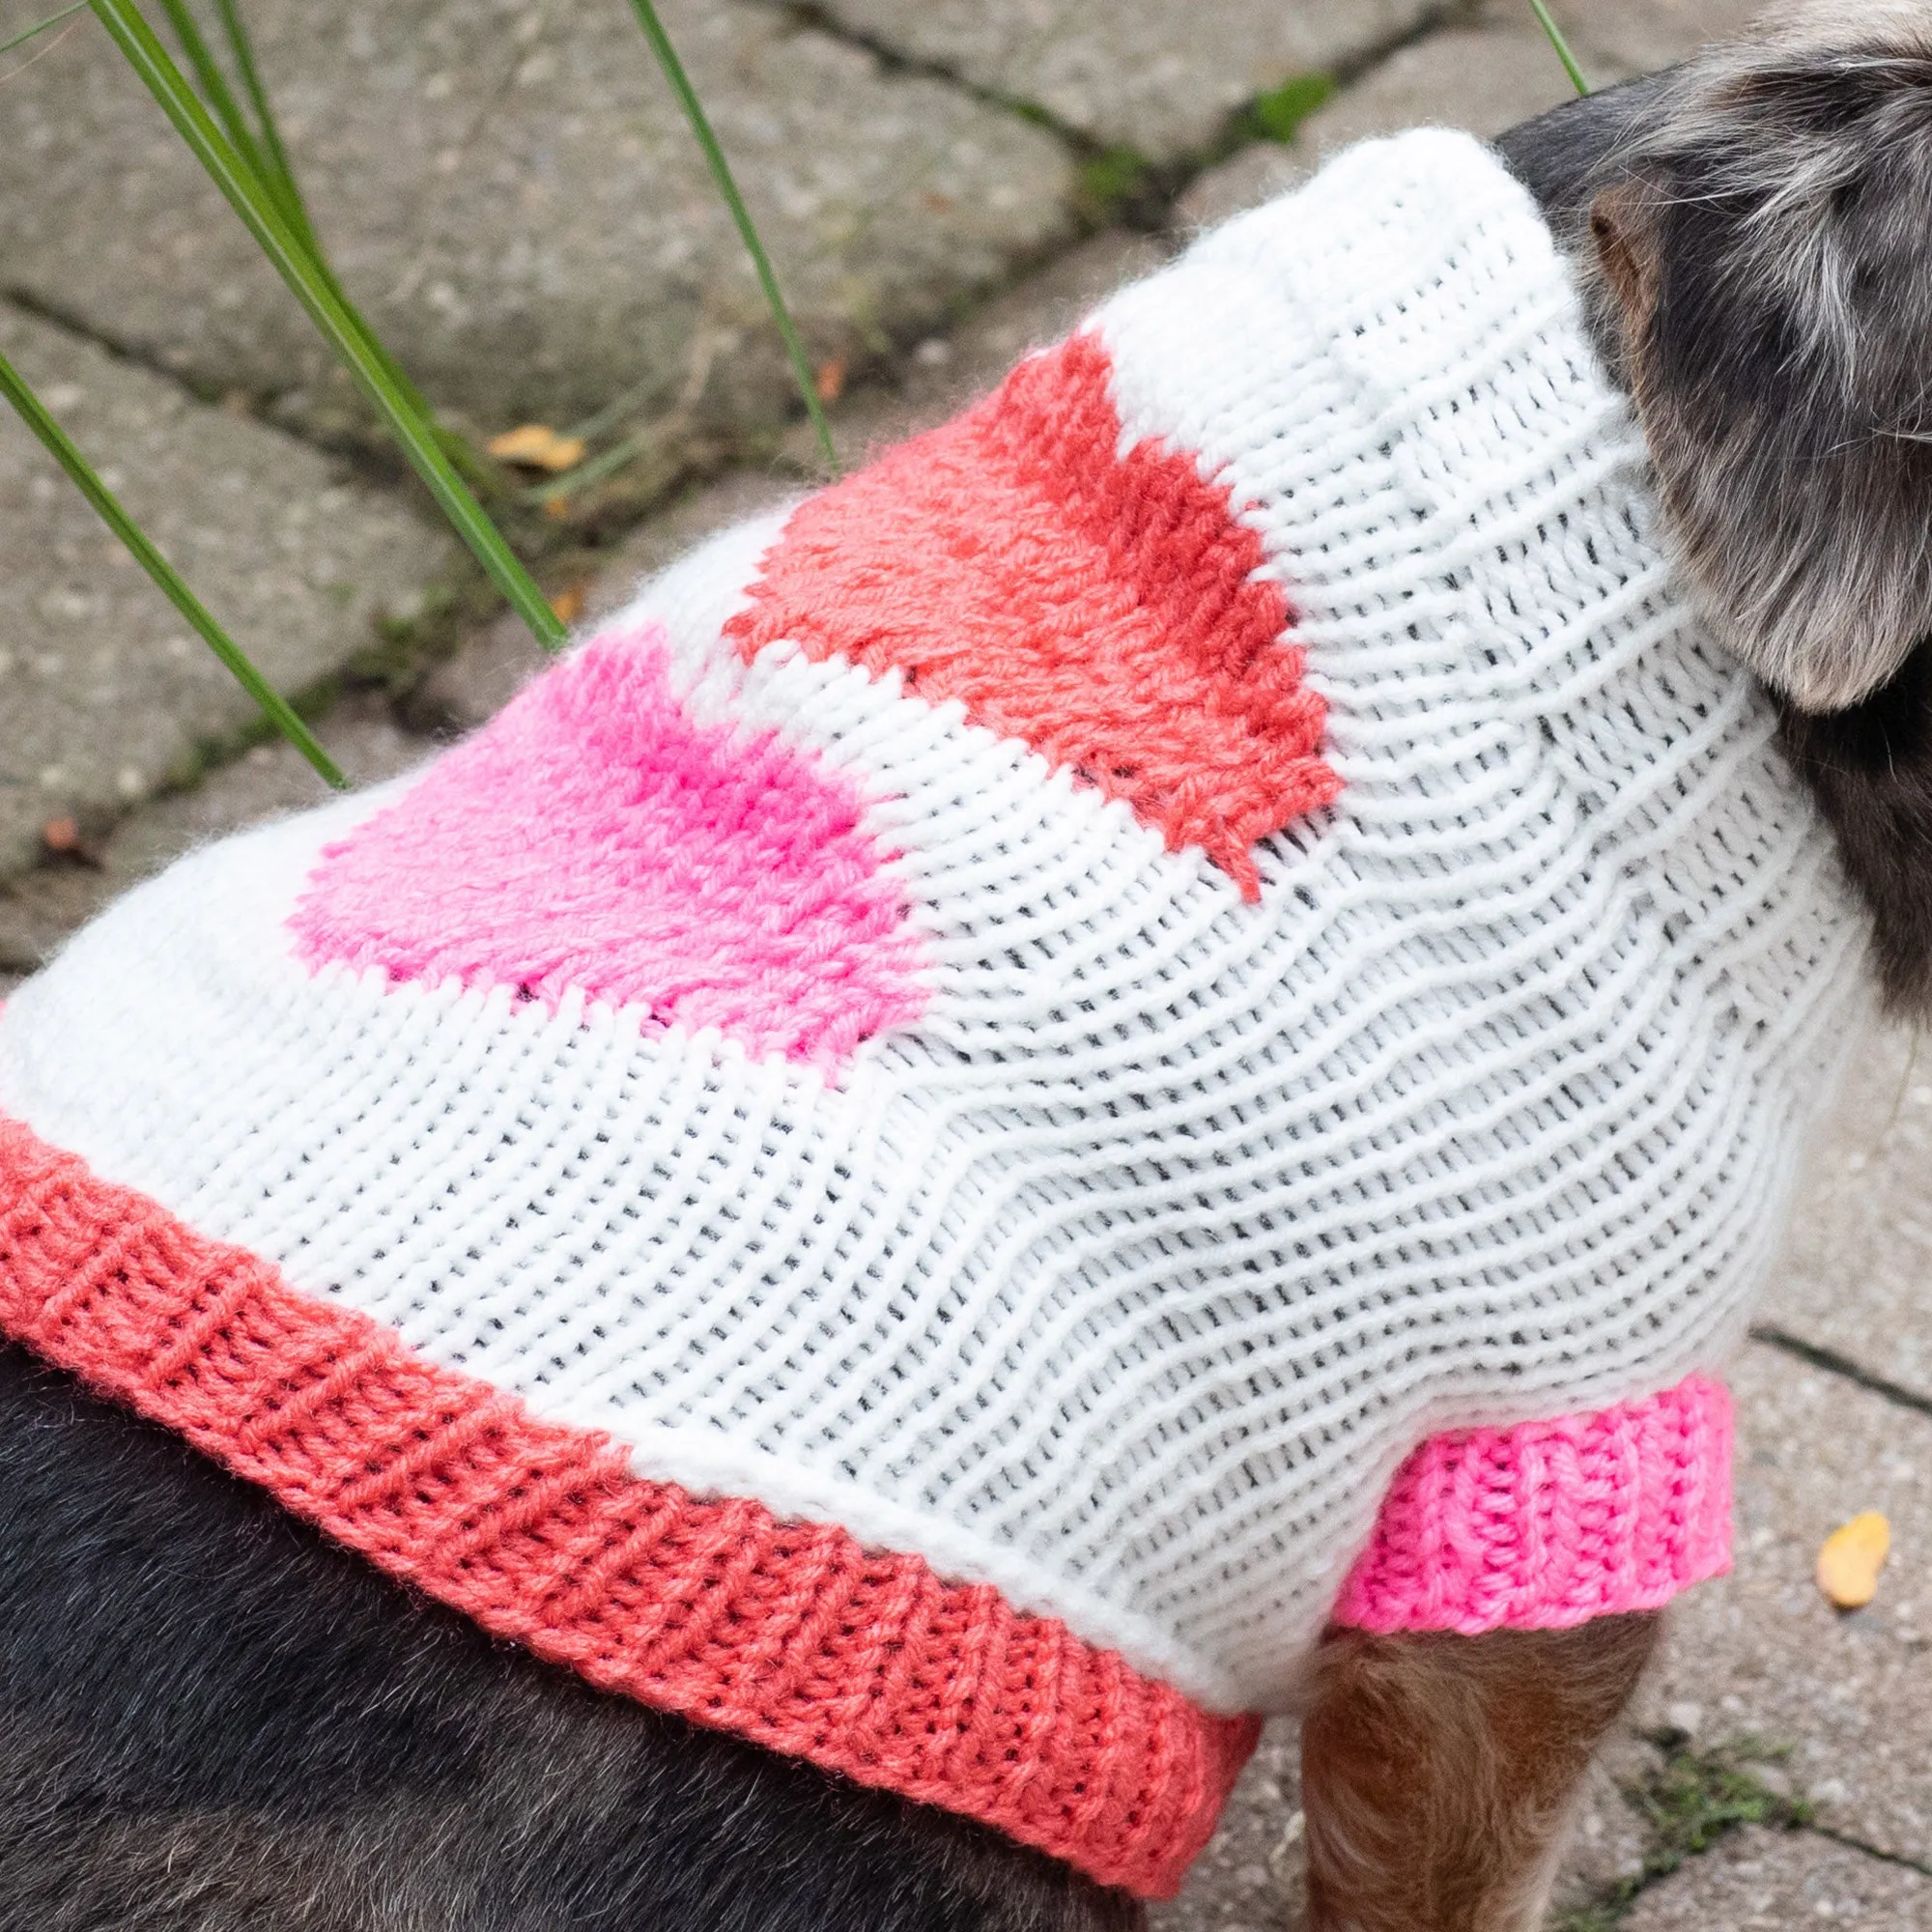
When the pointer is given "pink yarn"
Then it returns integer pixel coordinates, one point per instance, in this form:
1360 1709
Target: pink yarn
594 838
1551 1523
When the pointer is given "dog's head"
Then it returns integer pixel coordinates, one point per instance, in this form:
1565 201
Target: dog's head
1754 235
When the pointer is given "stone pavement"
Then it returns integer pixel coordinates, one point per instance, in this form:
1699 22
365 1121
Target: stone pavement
944 184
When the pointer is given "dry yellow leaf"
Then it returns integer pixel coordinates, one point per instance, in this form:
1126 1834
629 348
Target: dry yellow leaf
538 446
1851 1556
568 605
831 380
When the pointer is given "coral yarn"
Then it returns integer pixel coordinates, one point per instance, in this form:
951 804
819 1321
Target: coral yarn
1103 607
862 1662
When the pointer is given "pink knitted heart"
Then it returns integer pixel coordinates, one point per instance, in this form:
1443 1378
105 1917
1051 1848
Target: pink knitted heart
593 836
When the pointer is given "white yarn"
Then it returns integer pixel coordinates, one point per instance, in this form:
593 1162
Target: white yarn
1125 1278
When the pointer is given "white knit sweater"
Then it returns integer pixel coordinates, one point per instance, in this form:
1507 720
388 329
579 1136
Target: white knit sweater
1126 1250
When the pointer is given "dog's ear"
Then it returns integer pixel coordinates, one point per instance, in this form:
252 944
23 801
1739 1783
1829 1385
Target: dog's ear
1763 260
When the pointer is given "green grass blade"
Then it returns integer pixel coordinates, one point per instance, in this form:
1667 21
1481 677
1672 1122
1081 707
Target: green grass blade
215 86
1562 47
340 326
52 20
260 146
275 707
274 157
728 187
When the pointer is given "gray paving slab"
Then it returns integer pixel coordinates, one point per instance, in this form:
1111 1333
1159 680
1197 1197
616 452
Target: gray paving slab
1761 1652
1483 79
1780 1880
104 692
946 372
1160 77
40 908
1247 179
942 374
1638 36
1856 1273
511 192
1251 1874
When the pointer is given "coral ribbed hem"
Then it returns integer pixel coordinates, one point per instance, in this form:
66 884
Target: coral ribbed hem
1551 1523
790 1634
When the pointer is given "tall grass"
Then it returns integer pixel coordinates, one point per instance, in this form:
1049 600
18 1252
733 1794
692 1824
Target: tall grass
21 38
228 122
1548 22
33 412
227 119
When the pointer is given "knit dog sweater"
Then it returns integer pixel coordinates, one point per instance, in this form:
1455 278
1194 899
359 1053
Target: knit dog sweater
1184 1008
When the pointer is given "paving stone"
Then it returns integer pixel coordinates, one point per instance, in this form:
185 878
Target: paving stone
1483 79
1782 1880
1638 36
942 374
1246 179
1251 1874
1609 1840
945 373
511 192
1160 77
1856 1273
104 692
40 908
1761 1653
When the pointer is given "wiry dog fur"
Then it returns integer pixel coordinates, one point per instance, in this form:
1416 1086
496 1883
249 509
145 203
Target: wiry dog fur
1764 245
1441 1773
211 1718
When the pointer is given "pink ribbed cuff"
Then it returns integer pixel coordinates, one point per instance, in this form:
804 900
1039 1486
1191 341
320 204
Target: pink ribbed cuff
1551 1523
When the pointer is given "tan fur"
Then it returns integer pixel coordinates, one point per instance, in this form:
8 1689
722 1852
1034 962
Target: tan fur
1441 1773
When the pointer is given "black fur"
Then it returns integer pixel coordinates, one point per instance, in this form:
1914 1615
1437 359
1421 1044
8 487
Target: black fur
211 1720
1870 769
1562 156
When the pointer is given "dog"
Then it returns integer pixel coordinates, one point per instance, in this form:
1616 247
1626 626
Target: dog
216 1715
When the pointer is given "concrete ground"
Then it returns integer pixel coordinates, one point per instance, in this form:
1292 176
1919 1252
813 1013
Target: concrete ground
944 184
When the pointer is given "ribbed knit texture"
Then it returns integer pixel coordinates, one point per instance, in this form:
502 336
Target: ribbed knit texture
1550 1524
1263 934
791 1636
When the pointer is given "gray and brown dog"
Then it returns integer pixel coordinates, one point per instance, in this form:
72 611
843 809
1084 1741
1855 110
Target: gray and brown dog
235 1724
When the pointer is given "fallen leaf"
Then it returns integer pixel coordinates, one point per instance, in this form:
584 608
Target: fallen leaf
830 382
61 839
567 606
538 446
1851 1556
558 509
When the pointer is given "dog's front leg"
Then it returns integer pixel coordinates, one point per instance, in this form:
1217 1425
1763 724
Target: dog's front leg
1441 1772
